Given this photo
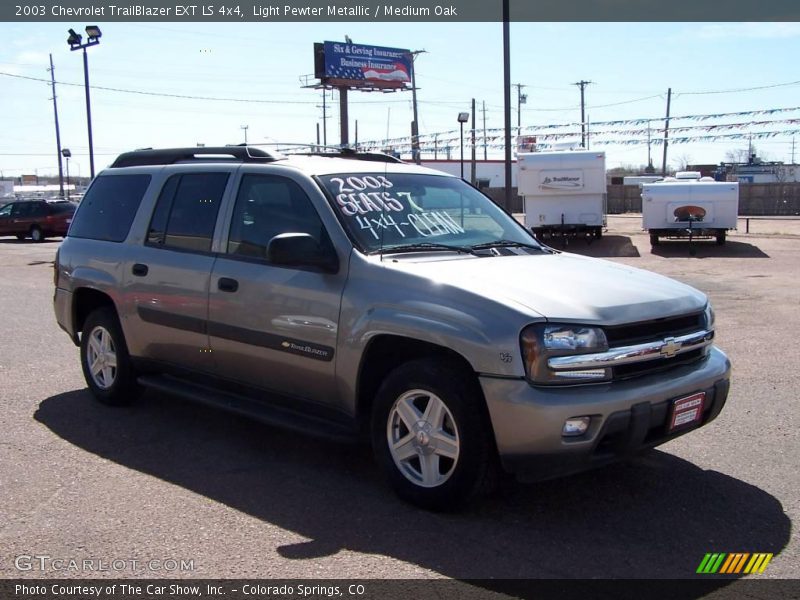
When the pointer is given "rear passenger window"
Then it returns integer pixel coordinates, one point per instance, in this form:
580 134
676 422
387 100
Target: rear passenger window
38 209
268 205
107 210
186 211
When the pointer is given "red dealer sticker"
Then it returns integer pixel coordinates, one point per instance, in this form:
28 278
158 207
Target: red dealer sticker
686 411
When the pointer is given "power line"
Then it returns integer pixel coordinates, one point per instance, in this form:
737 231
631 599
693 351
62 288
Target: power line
184 96
731 91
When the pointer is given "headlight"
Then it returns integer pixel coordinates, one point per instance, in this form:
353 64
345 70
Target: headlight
558 337
543 341
709 316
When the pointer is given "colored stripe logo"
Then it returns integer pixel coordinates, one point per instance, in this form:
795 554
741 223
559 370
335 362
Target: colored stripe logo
734 563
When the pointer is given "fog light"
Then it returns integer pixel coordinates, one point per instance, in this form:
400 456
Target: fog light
575 426
585 374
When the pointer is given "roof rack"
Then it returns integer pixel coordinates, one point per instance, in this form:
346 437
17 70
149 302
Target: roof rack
352 154
168 156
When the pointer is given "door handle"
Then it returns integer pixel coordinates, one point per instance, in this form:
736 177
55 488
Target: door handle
139 270
226 284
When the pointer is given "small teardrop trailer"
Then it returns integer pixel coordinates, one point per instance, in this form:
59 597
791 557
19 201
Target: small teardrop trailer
689 209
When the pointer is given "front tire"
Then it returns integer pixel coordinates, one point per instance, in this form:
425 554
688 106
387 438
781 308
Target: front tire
720 237
431 434
105 360
654 239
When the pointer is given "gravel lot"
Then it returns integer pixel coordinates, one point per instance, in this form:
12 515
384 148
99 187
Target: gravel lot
169 480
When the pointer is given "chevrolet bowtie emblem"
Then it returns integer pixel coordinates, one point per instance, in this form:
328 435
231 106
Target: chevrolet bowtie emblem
670 347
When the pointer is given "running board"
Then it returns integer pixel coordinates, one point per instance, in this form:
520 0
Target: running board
263 412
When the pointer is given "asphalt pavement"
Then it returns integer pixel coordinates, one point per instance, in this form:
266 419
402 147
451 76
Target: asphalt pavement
171 489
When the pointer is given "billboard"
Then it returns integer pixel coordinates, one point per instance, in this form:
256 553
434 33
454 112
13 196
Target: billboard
361 66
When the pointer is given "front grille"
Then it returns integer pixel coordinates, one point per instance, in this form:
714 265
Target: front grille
654 366
646 331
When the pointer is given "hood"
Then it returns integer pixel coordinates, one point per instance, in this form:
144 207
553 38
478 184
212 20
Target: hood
562 287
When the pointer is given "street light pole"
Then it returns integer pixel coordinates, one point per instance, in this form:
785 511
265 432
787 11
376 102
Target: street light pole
74 40
67 154
88 112
462 118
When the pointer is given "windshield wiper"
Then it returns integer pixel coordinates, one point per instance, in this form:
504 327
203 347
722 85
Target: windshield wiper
421 246
505 244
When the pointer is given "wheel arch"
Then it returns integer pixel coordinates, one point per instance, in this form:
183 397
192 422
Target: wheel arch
85 301
386 352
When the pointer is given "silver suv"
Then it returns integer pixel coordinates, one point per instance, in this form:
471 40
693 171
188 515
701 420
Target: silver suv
356 296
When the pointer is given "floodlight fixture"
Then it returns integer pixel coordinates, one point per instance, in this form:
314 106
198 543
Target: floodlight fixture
93 32
74 39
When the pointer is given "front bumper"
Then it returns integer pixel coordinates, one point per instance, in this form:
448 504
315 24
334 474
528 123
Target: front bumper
627 416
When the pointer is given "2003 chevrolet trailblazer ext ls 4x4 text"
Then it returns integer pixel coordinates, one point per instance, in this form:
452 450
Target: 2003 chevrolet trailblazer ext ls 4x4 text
356 295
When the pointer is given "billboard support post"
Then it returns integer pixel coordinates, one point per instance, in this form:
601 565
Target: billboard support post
345 132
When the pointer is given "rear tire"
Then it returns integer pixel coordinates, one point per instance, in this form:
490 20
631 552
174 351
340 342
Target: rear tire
654 241
37 235
721 237
432 436
106 363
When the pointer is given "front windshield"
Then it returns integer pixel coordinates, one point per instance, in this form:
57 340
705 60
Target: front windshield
394 210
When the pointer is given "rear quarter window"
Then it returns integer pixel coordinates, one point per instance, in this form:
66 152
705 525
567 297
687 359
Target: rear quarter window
108 208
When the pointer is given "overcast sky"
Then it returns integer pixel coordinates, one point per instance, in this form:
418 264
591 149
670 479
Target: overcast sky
257 67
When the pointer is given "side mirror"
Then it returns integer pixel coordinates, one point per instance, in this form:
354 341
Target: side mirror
300 250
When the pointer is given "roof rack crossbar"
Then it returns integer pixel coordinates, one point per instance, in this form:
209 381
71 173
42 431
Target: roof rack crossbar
352 154
168 156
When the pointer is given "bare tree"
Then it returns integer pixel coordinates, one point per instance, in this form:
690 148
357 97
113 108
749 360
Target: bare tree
682 162
742 155
738 155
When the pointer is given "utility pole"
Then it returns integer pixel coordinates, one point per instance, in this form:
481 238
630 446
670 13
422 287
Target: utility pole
58 133
485 157
521 99
472 172
415 152
507 101
582 84
588 131
245 128
666 134
435 146
324 118
792 149
356 143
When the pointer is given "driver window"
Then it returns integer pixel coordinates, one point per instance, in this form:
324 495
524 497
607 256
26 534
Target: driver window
268 205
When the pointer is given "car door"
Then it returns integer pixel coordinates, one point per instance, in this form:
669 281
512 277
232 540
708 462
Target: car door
5 219
271 326
168 278
21 218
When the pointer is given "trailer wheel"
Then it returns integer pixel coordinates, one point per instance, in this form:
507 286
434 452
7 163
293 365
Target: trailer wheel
654 239
598 232
721 237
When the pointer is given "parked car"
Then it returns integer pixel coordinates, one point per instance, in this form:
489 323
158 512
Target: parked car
360 297
36 219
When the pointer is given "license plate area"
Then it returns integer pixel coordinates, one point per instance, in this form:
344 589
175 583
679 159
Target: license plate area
686 412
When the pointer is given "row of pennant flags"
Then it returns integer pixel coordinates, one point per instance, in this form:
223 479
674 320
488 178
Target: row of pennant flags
627 132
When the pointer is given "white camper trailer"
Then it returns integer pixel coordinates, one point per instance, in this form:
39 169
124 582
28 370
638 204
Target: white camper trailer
689 208
564 192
